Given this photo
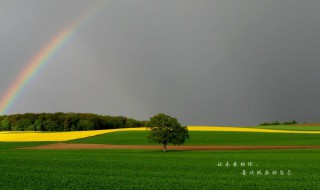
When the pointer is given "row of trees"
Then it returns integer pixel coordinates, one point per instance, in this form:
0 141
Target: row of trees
65 122
293 122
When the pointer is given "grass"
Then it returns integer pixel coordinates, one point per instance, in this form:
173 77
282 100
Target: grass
209 138
153 169
7 145
121 169
288 127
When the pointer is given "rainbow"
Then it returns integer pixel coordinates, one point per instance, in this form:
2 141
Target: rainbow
43 57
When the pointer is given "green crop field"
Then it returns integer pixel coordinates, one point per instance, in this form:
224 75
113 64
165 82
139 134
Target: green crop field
141 169
209 138
153 169
7 145
288 127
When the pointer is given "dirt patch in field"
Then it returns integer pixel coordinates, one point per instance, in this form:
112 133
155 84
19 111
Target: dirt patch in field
61 146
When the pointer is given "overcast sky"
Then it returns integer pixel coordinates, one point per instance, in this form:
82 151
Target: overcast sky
206 62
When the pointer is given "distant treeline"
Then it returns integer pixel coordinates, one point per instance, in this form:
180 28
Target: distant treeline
65 122
279 123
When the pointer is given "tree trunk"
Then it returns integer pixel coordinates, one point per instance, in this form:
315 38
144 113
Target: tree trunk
164 147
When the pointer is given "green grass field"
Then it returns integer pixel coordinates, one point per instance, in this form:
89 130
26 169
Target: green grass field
209 138
288 127
125 169
153 169
11 145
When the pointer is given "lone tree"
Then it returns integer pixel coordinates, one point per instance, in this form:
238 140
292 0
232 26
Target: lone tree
165 129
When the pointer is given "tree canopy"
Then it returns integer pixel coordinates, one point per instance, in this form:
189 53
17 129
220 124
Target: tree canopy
65 122
165 130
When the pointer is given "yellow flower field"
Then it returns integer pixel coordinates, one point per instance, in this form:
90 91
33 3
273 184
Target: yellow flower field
243 129
55 136
24 136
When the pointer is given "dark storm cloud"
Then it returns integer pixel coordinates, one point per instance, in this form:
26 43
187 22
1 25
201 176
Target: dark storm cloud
227 62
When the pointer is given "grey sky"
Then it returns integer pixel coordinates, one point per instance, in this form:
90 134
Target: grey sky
207 62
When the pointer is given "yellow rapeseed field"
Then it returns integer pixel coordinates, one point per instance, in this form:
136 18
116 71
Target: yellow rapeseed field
55 136
243 129
24 136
